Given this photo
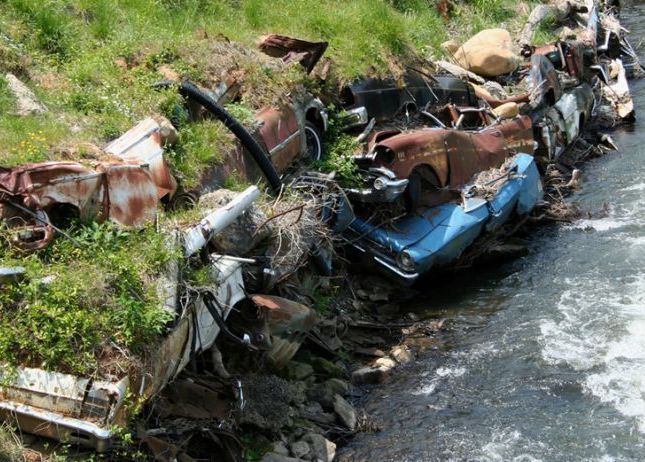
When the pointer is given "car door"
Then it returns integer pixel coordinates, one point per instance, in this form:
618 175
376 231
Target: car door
518 134
491 147
462 156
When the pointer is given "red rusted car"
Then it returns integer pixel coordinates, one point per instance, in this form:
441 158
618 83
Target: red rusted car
431 164
35 198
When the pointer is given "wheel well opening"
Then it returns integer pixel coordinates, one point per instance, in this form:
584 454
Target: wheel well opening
63 214
313 116
549 97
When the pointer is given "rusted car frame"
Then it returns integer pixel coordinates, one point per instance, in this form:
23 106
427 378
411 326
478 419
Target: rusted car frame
566 56
285 134
559 125
385 99
439 159
128 192
86 411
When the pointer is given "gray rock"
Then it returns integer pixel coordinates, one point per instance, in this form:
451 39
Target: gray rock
273 457
324 393
345 412
386 363
401 354
26 101
299 371
326 367
314 412
370 352
369 375
338 386
300 449
280 448
322 449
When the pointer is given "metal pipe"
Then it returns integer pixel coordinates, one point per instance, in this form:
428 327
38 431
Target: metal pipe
215 222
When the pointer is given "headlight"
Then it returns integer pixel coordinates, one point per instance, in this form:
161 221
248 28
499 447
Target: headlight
405 261
380 183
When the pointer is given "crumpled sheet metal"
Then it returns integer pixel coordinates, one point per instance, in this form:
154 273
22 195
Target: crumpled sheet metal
84 411
196 331
289 322
127 192
291 49
618 94
144 143
62 406
123 193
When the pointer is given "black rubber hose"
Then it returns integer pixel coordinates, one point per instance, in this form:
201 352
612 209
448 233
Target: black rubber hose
190 90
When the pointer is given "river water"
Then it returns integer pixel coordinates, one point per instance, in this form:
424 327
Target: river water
544 357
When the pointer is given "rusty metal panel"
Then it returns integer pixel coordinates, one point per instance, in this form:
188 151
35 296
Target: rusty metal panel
453 155
518 134
289 322
291 49
416 148
491 148
132 194
281 134
124 192
143 144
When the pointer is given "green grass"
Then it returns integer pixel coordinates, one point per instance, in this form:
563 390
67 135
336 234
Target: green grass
544 34
99 292
93 61
10 448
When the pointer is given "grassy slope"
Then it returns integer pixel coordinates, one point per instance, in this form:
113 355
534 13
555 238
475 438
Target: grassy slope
92 62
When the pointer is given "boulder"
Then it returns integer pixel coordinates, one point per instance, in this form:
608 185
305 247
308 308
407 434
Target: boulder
328 368
322 449
26 101
345 412
324 393
280 448
401 354
299 371
451 46
369 375
488 53
300 449
490 37
339 386
386 363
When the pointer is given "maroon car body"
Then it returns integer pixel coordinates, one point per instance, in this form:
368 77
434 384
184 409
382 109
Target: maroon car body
450 155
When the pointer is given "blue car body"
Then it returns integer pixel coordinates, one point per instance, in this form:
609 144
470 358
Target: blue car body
439 235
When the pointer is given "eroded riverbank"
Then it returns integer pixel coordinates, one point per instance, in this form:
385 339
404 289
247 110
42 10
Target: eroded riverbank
544 357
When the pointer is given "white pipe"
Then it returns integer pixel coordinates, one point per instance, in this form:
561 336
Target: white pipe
215 222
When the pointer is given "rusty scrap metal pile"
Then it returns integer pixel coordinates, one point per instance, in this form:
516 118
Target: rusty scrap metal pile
447 156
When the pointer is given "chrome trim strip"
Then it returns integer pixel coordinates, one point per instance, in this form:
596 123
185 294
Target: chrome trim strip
285 142
395 270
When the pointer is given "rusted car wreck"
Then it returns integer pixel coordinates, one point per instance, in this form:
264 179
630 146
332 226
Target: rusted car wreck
85 410
35 198
436 160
